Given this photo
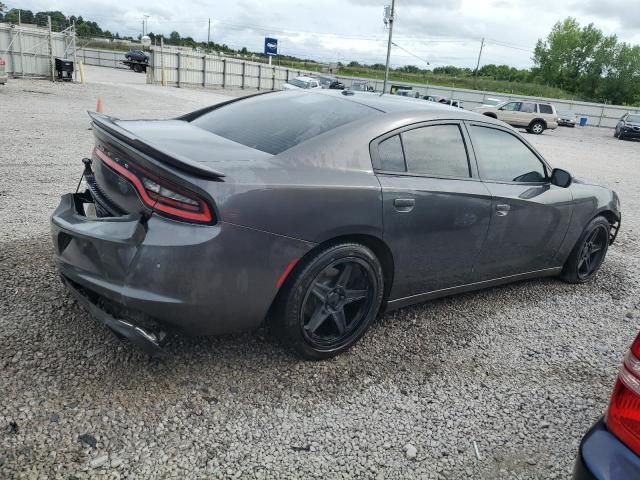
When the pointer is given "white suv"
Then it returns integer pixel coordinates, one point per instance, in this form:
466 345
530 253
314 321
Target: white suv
536 117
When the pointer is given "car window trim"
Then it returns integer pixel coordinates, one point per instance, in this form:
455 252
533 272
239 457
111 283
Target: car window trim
376 161
547 167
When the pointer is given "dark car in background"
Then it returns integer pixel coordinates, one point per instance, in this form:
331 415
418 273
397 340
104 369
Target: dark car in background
315 210
611 448
628 126
137 56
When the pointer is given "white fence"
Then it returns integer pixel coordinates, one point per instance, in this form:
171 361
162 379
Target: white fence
26 49
193 70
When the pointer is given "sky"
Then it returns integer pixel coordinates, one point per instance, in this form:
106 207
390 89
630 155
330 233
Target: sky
440 32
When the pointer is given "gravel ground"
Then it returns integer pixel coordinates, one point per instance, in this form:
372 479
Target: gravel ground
521 370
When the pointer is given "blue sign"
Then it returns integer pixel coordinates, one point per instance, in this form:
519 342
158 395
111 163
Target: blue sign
271 46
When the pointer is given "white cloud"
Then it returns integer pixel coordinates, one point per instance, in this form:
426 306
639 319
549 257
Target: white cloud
441 31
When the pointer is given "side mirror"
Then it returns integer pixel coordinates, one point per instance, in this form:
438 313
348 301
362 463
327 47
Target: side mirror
561 178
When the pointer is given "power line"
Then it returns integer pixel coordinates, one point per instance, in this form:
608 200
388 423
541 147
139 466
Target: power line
411 53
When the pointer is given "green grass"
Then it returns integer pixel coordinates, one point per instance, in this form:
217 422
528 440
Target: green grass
468 82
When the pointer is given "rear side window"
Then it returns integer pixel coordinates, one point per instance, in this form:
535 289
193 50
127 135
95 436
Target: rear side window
391 155
544 108
528 107
436 150
274 123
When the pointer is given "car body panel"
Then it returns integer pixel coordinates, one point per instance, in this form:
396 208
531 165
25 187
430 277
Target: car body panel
603 457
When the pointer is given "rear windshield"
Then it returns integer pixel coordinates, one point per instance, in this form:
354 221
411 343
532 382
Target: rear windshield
274 123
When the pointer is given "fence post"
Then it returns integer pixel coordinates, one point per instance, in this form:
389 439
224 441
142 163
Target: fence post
51 62
259 76
273 79
178 69
287 75
204 71
244 66
601 115
224 73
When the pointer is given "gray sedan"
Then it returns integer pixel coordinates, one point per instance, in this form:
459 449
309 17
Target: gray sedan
314 212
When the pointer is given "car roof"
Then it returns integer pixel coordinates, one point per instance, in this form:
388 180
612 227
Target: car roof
398 104
305 78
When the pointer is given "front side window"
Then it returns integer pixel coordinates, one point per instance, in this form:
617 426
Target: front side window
436 150
511 107
503 157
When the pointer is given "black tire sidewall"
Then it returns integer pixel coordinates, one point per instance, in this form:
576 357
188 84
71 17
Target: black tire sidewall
570 269
291 302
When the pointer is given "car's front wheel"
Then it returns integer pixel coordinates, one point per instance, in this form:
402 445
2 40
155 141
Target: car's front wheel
589 252
330 301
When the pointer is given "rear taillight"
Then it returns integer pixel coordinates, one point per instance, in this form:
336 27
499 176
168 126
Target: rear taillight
160 194
623 414
2 62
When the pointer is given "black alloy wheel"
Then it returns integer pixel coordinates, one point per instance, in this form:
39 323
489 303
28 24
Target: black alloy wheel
593 252
589 253
337 302
330 301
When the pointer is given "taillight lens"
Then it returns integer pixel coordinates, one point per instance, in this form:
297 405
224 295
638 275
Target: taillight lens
160 194
623 414
2 62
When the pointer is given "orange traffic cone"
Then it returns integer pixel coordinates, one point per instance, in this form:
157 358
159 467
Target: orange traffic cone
99 106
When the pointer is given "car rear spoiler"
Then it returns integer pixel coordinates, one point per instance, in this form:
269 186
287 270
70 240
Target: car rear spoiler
109 125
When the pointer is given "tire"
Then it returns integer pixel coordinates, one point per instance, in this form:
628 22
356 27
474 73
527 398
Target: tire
620 135
490 115
596 233
137 68
536 127
313 314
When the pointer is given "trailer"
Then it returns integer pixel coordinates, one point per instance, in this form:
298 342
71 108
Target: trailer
136 65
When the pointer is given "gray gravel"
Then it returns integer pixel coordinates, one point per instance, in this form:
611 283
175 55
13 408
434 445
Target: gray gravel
522 370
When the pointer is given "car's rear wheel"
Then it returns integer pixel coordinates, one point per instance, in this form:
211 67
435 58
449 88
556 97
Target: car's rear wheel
536 127
330 301
589 252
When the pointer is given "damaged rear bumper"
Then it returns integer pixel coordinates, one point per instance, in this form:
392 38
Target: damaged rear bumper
147 340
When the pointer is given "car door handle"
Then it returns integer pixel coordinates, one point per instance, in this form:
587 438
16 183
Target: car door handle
404 204
502 209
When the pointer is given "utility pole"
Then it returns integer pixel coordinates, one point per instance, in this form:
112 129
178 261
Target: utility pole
50 42
209 34
390 19
475 80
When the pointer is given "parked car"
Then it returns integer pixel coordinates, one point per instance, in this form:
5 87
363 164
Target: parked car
535 117
628 126
452 102
611 448
431 98
567 119
330 82
301 83
137 56
3 72
315 210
